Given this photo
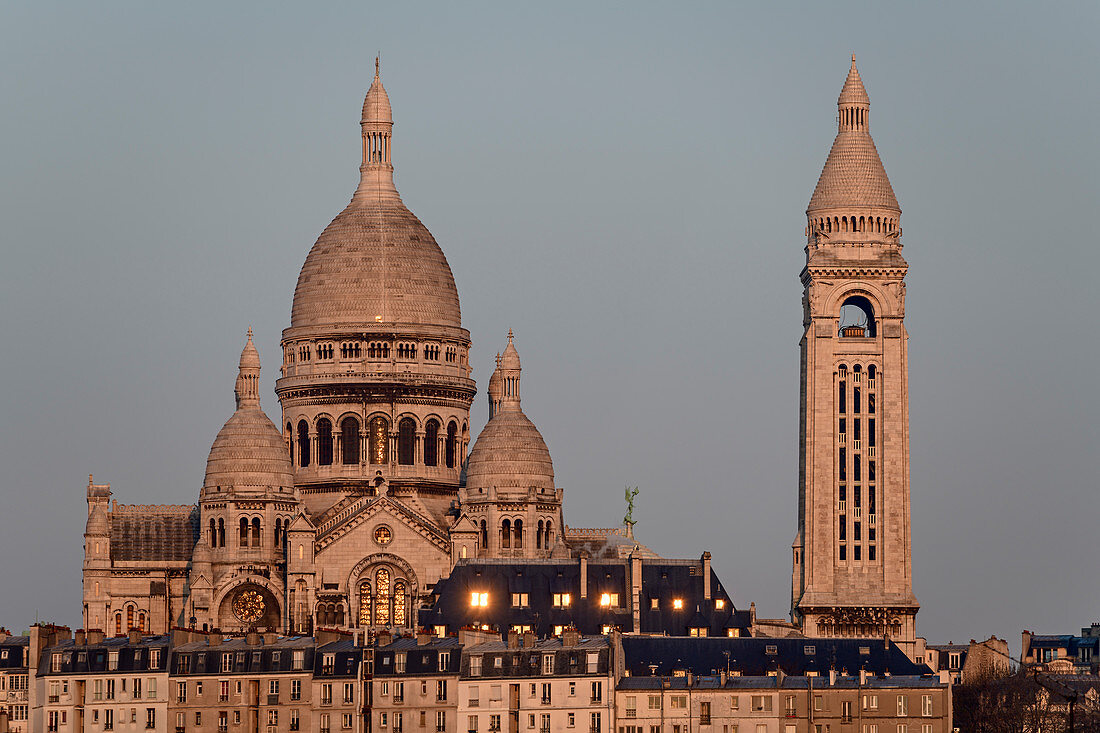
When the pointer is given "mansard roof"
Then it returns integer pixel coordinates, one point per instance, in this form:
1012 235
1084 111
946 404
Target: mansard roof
93 658
761 656
663 580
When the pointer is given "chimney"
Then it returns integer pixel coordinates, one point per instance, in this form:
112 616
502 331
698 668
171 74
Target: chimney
706 575
570 637
4 634
270 637
722 677
832 678
636 590
690 679
253 638
528 640
134 636
80 639
423 638
95 636
214 638
385 638
862 677
584 574
513 640
180 637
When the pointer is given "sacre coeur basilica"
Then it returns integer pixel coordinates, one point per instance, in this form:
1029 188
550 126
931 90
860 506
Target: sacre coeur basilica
366 508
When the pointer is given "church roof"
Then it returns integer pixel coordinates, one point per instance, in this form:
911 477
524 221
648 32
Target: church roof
153 533
376 262
853 175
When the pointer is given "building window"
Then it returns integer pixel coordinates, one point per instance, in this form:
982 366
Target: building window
451 445
303 443
379 440
324 442
431 443
406 441
349 441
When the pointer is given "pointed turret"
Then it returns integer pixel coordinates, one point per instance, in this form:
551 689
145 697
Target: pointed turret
376 172
853 194
496 389
247 389
509 369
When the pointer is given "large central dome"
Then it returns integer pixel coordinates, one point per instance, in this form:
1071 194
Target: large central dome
376 263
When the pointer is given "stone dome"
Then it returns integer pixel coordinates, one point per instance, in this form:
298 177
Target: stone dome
376 263
510 454
249 450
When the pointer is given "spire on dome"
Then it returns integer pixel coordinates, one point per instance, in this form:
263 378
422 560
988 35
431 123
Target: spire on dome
376 172
247 389
509 370
853 179
853 91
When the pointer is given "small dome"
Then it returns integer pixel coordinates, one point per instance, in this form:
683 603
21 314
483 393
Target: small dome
510 358
510 453
248 452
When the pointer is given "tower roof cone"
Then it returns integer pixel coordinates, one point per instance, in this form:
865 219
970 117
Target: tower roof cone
853 91
853 176
510 358
376 105
250 358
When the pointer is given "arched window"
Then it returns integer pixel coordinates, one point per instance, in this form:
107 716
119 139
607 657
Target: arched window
517 533
364 603
382 598
303 443
221 533
278 531
400 603
118 624
857 317
538 536
484 535
290 441
141 622
338 620
349 441
451 448
255 531
548 541
324 442
244 532
506 533
431 443
129 617
406 441
379 440
213 533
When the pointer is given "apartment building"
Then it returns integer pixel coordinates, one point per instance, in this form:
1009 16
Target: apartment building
522 684
91 683
415 684
14 681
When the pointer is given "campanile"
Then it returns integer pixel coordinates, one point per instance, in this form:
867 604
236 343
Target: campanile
852 571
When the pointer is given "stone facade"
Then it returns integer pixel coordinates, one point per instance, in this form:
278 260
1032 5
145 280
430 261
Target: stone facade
361 499
852 572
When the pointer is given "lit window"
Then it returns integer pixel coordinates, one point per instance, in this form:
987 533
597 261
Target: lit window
562 600
479 599
605 599
678 603
720 603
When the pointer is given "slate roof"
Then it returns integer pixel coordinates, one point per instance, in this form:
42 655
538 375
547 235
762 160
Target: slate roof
16 657
757 656
664 580
786 682
153 533
93 658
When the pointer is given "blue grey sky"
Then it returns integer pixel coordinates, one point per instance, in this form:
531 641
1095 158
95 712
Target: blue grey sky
622 184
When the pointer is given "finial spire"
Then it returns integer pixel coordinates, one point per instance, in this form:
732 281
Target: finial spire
247 389
378 65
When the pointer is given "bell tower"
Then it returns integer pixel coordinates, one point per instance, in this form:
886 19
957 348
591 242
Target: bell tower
852 572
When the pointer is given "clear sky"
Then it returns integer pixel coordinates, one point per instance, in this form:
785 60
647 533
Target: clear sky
622 184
